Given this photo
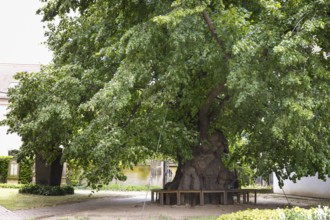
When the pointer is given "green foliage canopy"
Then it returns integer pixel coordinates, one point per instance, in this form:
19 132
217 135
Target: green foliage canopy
126 71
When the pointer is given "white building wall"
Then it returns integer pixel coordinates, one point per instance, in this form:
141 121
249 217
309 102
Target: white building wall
306 186
7 141
7 72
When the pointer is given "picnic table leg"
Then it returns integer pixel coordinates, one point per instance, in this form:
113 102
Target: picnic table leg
248 196
178 202
152 196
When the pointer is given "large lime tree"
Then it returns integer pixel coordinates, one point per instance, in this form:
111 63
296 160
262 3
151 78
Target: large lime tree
189 80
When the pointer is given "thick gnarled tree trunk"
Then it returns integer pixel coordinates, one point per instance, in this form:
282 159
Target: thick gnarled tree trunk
206 170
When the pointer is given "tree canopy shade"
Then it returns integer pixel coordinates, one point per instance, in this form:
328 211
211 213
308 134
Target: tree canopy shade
248 78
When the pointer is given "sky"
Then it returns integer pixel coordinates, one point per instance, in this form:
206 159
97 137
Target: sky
22 33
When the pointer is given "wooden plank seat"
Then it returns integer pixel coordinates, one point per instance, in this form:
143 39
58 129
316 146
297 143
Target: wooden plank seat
189 191
155 192
162 195
221 192
238 193
255 191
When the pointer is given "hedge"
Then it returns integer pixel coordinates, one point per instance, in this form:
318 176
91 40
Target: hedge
25 171
320 213
46 190
4 163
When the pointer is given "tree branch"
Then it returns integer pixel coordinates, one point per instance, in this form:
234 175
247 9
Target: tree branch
133 112
214 34
204 120
215 114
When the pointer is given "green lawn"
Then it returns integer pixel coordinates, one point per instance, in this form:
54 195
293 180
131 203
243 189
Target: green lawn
12 200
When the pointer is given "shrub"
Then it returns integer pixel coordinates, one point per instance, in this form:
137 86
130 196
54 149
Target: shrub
69 190
25 167
46 190
253 214
4 163
25 171
74 173
280 214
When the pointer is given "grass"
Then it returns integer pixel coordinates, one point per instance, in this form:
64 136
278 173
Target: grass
11 186
12 200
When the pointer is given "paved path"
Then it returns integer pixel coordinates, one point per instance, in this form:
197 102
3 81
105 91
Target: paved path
119 209
5 214
128 206
100 208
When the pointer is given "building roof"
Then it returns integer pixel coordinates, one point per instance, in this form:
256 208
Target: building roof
7 72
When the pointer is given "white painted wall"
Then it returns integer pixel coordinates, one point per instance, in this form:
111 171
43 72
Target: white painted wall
306 186
7 141
7 72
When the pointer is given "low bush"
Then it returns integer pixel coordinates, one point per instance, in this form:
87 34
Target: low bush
320 213
46 190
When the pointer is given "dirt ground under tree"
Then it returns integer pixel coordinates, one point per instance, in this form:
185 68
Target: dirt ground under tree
137 205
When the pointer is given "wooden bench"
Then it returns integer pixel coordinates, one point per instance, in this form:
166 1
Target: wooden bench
194 191
222 193
155 192
255 191
246 194
238 193
163 195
